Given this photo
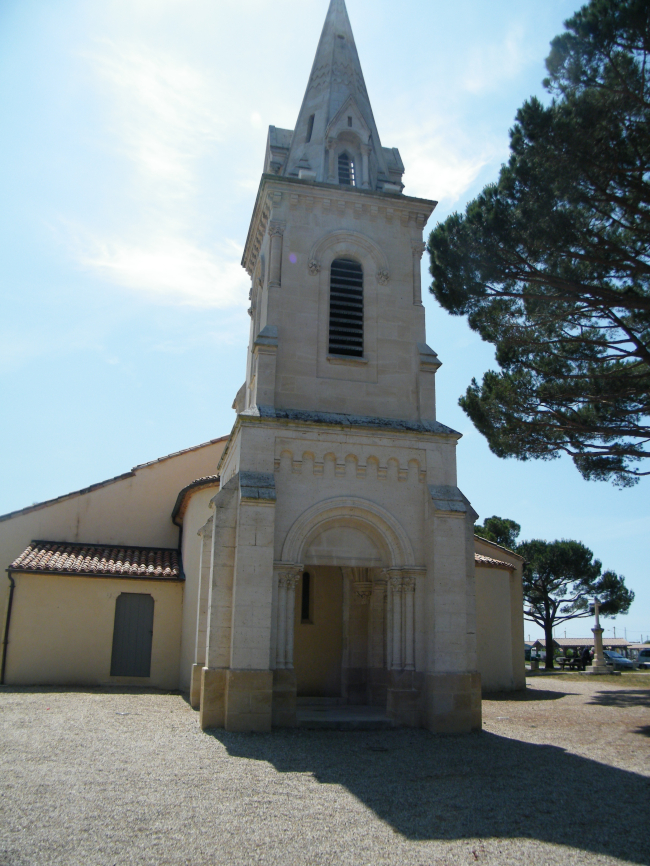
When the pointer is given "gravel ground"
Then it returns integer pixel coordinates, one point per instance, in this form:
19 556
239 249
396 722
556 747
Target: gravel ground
558 776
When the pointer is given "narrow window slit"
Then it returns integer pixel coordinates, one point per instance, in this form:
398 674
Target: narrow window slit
305 598
310 128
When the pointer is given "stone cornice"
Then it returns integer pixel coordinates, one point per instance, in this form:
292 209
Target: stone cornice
292 194
347 421
298 421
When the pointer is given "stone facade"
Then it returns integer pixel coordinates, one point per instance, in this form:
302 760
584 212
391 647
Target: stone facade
336 460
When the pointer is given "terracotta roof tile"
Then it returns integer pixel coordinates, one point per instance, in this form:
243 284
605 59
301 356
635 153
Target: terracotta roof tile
489 562
100 560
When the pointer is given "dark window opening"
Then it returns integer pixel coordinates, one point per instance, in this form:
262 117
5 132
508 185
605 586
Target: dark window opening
346 308
346 170
310 127
349 121
132 635
305 599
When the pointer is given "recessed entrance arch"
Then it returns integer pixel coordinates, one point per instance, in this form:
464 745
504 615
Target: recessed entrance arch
361 564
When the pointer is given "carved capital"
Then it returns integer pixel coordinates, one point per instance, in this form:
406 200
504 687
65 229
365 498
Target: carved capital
408 584
292 579
314 267
396 583
383 277
418 248
288 575
276 228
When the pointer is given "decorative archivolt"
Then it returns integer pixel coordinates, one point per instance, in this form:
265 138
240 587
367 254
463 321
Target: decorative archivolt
350 242
361 514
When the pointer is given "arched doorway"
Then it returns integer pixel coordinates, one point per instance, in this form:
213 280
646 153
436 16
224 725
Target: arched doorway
352 552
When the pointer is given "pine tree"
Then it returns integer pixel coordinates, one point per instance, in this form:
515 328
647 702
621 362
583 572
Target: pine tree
551 264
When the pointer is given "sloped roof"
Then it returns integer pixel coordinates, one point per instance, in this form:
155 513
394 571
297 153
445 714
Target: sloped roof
99 560
489 562
584 641
100 484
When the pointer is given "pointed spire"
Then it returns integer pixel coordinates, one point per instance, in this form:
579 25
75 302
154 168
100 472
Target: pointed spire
336 116
336 73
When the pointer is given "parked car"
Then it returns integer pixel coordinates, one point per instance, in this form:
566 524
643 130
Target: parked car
617 661
643 659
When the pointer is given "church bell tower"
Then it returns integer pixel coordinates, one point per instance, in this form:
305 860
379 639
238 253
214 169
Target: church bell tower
339 561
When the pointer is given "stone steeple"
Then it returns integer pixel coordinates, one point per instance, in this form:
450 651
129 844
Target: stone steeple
335 120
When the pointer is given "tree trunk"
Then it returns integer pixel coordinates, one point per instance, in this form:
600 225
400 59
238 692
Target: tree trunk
548 631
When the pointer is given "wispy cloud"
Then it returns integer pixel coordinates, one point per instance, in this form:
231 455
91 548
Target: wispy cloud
163 116
172 269
440 162
492 63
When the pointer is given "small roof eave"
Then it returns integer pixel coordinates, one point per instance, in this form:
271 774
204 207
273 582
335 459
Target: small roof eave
186 493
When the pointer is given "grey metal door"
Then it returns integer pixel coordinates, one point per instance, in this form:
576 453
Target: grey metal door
132 635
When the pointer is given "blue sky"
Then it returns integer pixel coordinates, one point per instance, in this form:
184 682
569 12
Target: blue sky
133 142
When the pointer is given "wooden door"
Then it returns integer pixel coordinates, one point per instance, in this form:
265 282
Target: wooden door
132 635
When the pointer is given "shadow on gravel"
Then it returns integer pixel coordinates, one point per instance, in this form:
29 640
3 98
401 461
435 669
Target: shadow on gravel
529 694
475 786
622 698
644 731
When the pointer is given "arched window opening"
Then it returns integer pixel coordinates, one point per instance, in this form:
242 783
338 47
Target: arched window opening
346 170
346 308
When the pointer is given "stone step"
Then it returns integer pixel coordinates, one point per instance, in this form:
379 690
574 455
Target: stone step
319 702
342 718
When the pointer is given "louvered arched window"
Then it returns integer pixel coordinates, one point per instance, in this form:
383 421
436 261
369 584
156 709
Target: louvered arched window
346 170
346 308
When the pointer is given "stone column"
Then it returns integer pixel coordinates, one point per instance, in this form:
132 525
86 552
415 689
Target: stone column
389 623
377 648
396 605
377 655
418 248
205 535
331 168
291 581
281 631
276 233
408 584
284 678
287 581
404 684
365 167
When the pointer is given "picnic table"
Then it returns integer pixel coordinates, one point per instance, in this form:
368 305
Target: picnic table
574 663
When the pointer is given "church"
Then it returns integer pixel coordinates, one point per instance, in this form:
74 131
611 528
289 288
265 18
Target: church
321 555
